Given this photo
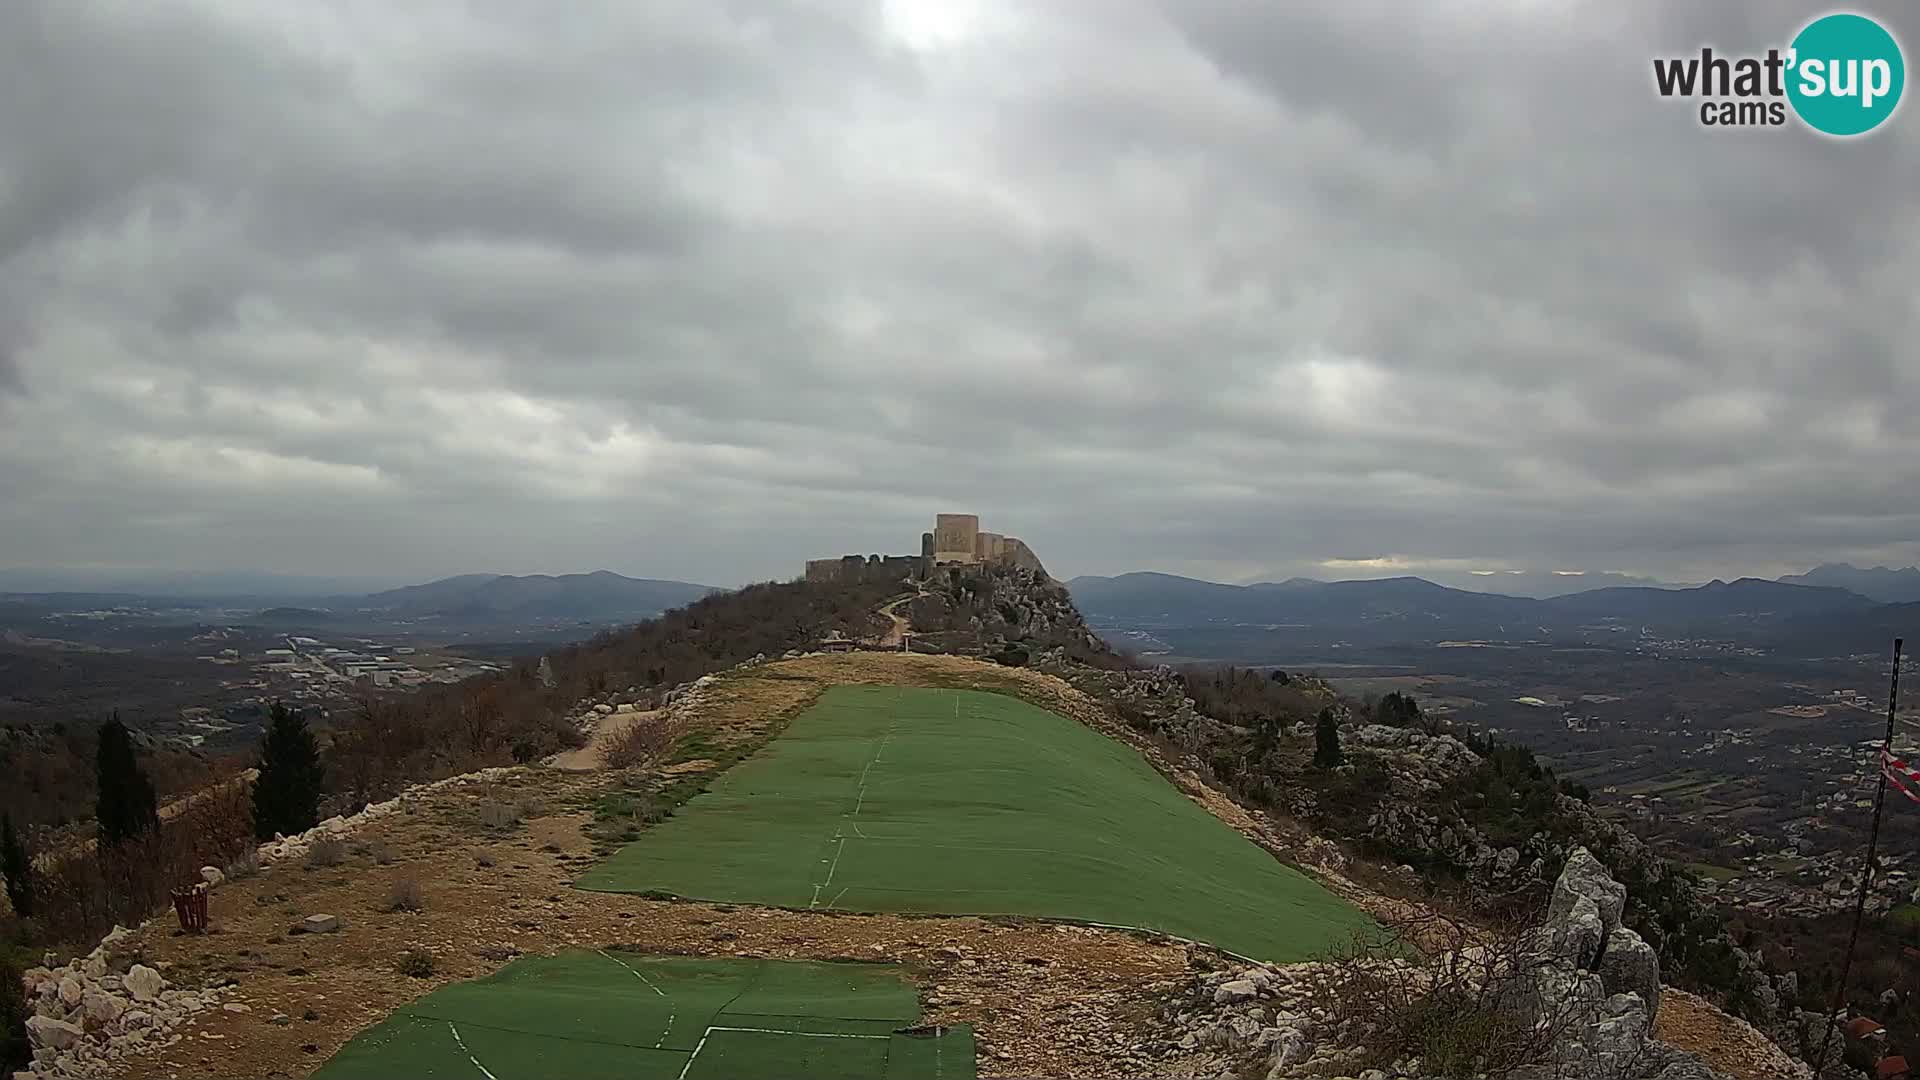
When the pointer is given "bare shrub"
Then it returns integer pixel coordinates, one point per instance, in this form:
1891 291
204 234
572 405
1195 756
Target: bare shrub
380 853
414 963
499 815
326 851
406 895
1464 999
244 865
644 742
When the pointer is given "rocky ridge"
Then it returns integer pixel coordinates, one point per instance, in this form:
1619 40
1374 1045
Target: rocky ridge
1594 981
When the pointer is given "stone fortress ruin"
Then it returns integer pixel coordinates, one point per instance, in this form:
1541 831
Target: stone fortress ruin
956 540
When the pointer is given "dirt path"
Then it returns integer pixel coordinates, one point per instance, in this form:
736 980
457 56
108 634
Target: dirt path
896 633
605 736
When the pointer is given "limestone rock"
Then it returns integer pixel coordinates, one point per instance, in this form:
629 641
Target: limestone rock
1235 990
1578 938
320 924
144 983
1587 876
212 876
101 1007
1630 966
52 1034
70 991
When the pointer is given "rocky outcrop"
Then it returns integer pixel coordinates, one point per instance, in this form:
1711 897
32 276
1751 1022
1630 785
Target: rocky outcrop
1583 978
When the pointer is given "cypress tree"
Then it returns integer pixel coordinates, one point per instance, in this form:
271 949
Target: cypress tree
125 805
1326 740
17 868
286 797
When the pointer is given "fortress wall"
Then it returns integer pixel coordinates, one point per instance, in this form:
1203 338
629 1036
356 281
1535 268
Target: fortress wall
1021 555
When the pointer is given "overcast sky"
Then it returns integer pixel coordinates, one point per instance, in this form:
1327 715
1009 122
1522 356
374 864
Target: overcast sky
697 290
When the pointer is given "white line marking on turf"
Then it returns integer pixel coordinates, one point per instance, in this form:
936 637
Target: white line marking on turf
802 1034
672 1012
469 1053
836 862
701 1045
836 898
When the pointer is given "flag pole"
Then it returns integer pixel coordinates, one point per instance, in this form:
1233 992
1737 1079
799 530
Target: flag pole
1866 869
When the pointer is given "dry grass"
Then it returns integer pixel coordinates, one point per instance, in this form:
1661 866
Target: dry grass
244 865
644 742
498 815
326 851
406 895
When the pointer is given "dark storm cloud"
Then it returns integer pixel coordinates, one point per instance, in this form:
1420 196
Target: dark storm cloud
696 291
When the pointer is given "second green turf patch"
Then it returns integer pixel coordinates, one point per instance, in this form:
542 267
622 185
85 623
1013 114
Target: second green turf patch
624 1016
893 799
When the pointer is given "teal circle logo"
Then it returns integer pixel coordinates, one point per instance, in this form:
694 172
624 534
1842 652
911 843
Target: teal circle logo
1845 74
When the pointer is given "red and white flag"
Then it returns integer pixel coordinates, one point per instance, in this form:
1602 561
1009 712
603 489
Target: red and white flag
1901 774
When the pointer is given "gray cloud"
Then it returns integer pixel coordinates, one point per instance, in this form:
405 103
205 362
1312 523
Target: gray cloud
698 291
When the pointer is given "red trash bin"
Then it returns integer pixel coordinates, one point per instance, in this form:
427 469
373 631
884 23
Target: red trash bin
190 904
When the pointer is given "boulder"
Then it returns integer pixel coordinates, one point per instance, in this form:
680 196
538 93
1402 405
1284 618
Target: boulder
1630 966
320 924
1587 876
1234 990
101 1007
144 983
212 876
52 1034
70 991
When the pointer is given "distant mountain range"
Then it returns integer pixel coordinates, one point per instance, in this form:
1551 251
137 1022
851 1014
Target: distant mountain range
599 595
1879 583
1411 608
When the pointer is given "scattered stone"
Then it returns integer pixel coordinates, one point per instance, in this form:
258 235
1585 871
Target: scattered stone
320 924
48 1033
144 983
236 1007
101 1007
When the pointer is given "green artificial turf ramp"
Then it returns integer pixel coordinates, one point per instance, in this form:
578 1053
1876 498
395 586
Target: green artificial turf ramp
624 1016
902 799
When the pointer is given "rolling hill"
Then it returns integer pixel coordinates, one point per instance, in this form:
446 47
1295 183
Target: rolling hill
599 595
1411 608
